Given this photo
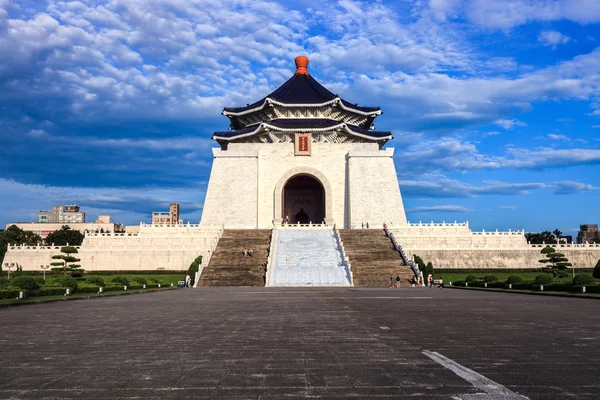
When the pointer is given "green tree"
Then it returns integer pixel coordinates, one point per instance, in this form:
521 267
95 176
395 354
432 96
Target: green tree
65 236
557 234
419 262
66 259
16 236
194 268
596 273
555 262
428 270
541 237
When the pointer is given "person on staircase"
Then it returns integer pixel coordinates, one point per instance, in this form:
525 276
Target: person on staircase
245 252
250 252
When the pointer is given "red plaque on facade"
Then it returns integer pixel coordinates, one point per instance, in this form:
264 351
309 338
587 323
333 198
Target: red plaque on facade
302 144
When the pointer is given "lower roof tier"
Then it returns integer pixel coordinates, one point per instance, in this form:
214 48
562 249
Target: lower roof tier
302 125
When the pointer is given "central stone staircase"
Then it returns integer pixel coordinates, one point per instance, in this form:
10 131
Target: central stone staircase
373 258
307 257
229 267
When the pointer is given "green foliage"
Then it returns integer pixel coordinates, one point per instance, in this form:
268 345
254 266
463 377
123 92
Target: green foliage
4 281
66 281
544 279
513 279
419 261
16 236
490 278
428 269
9 293
583 279
139 279
65 236
596 273
157 280
121 280
27 283
87 289
67 258
555 262
546 237
471 278
95 281
194 268
50 291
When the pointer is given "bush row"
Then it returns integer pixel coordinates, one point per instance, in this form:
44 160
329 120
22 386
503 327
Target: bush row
492 271
554 287
111 272
11 292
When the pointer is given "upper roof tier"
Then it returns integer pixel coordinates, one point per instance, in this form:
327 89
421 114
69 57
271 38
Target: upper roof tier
301 90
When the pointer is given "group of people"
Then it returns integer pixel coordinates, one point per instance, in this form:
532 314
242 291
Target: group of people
248 252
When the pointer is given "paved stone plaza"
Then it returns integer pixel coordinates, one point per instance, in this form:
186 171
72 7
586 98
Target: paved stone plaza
296 343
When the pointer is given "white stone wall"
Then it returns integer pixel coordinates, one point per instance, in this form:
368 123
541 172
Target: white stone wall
154 248
373 190
231 194
231 197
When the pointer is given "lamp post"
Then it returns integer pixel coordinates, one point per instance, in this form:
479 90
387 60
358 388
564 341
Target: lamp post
44 268
9 266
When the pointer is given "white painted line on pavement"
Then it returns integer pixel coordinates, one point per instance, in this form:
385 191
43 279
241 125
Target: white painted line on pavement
493 390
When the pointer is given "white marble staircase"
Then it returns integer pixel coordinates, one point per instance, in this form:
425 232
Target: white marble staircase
307 257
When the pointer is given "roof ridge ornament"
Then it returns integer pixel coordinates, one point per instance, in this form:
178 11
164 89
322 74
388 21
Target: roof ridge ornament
301 64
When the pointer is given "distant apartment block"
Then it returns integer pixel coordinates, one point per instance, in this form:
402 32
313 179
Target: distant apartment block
62 215
103 219
588 233
167 218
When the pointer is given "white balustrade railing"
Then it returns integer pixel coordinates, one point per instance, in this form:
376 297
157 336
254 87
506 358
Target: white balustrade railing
270 258
338 238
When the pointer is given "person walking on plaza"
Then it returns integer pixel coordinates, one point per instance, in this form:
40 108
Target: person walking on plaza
441 283
398 281
391 282
188 280
430 281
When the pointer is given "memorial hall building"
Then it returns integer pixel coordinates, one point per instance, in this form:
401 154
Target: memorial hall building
304 180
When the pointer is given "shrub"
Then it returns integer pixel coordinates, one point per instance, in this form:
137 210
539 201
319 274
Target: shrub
544 279
135 286
562 274
112 288
40 281
25 282
77 272
139 279
121 280
490 278
471 278
50 291
514 279
583 279
66 281
96 280
9 293
4 281
157 280
87 289
596 273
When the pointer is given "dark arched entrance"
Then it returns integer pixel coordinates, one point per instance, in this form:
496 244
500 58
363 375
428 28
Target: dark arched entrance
303 200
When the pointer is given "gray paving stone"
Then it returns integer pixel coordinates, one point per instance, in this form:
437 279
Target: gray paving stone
267 343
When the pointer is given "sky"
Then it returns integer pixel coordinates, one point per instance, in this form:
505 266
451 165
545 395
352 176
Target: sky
494 105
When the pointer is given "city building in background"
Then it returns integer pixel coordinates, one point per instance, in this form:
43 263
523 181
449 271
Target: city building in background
588 233
45 228
167 218
62 214
103 219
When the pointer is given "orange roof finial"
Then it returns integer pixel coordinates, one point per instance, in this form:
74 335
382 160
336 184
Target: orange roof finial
301 64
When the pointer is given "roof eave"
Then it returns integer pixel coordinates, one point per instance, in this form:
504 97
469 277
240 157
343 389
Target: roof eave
269 101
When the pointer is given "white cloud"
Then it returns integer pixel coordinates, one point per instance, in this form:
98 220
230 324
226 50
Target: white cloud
508 207
509 124
554 136
552 38
437 209
570 187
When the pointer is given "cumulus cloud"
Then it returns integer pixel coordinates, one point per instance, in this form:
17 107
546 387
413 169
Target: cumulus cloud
508 207
555 136
570 187
451 188
439 209
552 38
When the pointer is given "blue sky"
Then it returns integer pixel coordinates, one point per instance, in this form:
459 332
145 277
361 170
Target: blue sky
494 106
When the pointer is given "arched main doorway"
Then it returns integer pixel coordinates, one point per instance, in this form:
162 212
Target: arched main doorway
303 200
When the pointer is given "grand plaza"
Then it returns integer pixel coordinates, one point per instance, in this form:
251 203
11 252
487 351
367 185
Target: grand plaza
304 180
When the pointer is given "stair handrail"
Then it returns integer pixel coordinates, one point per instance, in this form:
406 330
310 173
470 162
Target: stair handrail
269 258
344 256
399 249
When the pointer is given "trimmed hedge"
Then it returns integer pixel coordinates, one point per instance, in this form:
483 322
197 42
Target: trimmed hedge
139 279
50 291
514 279
543 279
471 278
583 280
120 280
491 271
9 293
66 281
490 278
25 282
87 289
95 281
145 272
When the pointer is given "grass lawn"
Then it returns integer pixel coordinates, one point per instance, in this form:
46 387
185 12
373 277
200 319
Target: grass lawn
34 299
502 276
